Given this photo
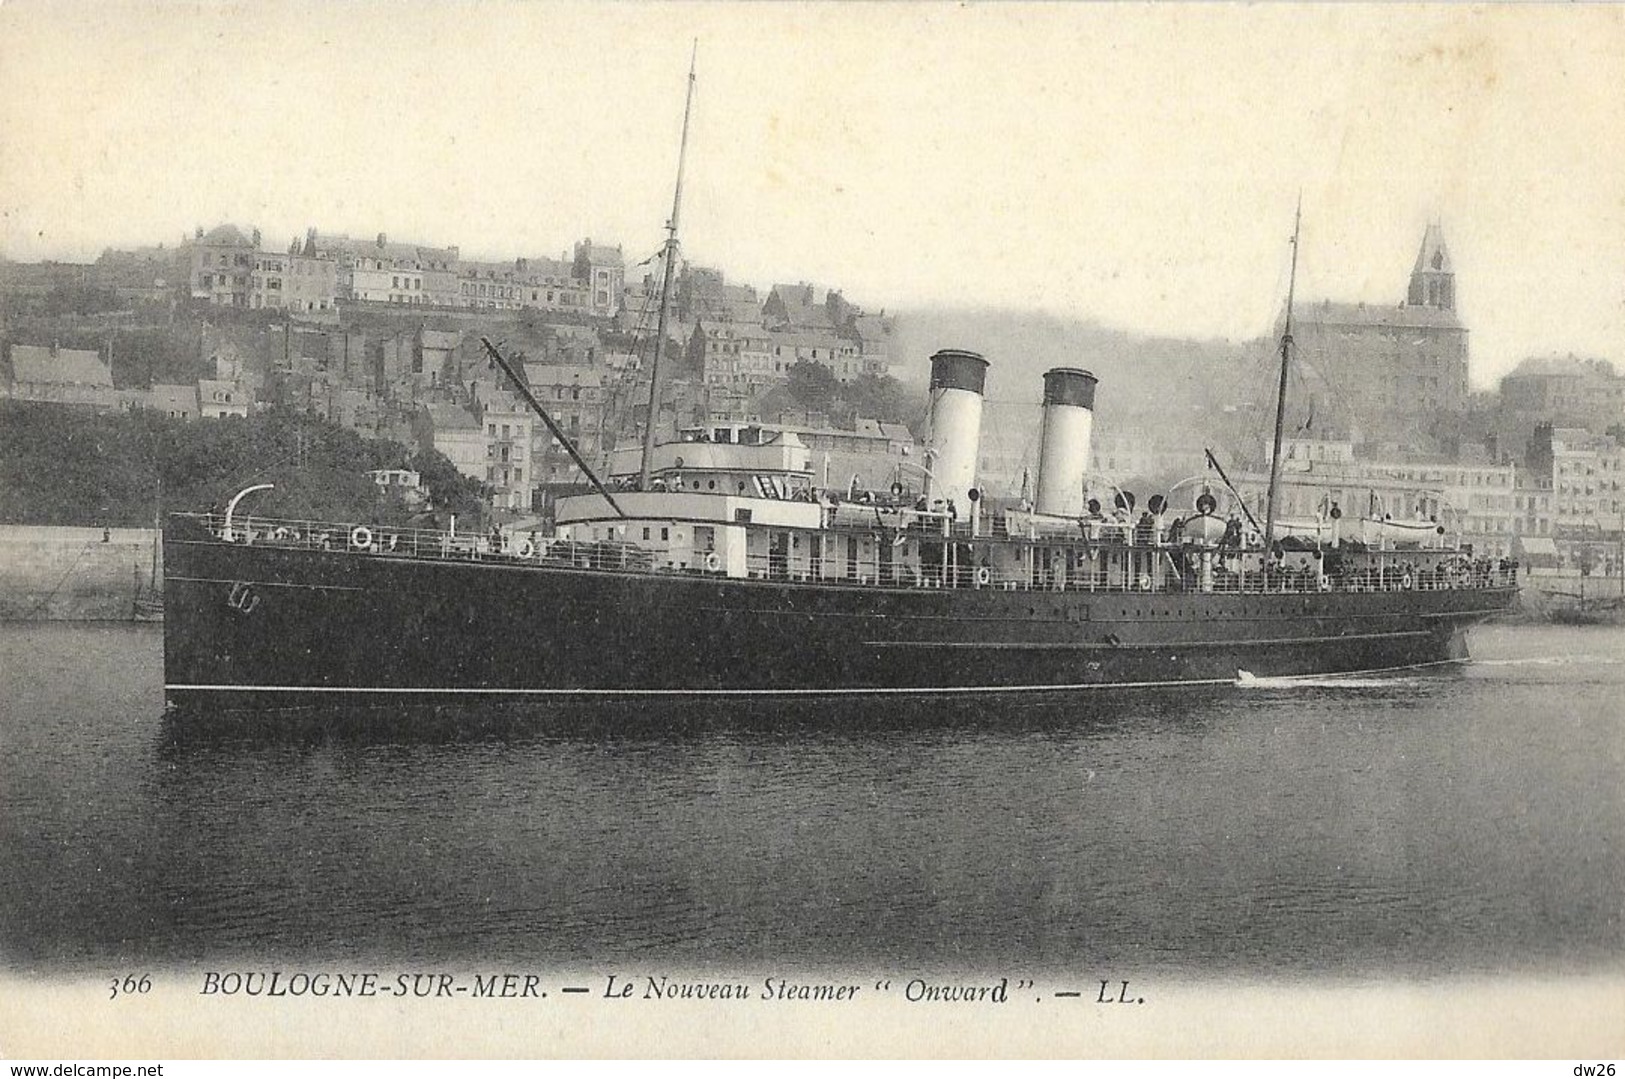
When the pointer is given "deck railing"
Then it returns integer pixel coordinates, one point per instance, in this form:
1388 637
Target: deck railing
1370 571
1398 576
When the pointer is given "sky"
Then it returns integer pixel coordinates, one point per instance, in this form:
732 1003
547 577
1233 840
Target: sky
1136 165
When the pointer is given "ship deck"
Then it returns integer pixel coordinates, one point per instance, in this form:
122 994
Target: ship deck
1236 572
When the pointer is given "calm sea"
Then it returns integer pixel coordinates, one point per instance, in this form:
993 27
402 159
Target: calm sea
1468 820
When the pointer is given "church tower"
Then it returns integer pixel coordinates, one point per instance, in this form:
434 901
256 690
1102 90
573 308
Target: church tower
1433 282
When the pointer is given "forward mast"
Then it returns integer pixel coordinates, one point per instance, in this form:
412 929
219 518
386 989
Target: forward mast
669 258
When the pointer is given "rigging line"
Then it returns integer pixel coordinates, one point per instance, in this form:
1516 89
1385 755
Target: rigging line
1335 391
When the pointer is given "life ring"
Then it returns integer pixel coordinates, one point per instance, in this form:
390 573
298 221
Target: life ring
1325 583
527 549
360 537
1145 582
896 489
1406 583
983 575
712 562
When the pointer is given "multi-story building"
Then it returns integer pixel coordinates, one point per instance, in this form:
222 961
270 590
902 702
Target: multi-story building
434 363
175 402
218 399
209 398
734 354
550 285
493 285
442 275
1587 473
1564 391
1385 373
873 336
704 294
1473 502
797 308
1532 506
509 425
569 345
388 272
574 396
840 354
222 266
602 271
1574 479
455 431
294 282
384 271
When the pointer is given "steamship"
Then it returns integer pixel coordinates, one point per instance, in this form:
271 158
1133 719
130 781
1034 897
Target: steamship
732 572
716 565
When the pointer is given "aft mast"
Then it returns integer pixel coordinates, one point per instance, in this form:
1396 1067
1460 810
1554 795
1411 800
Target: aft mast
670 259
1280 393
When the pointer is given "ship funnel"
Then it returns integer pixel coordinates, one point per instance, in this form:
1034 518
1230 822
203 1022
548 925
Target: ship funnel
1063 454
957 380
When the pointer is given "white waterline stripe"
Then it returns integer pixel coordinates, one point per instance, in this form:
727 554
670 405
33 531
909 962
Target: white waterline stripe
600 692
846 692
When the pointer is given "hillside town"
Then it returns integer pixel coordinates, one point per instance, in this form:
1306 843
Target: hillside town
382 337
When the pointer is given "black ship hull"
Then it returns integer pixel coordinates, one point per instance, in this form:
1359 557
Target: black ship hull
265 626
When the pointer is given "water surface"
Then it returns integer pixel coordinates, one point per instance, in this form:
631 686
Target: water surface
1466 820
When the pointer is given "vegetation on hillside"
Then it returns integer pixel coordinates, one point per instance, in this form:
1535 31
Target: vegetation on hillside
65 466
813 387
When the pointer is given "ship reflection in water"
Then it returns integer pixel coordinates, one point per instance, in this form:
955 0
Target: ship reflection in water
1465 819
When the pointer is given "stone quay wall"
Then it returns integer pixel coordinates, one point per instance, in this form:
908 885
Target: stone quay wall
77 574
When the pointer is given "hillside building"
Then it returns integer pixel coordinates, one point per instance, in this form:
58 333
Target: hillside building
68 376
1382 374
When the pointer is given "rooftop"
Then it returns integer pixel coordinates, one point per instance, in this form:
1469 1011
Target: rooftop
1550 366
68 366
559 374
450 417
1401 316
172 398
226 236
